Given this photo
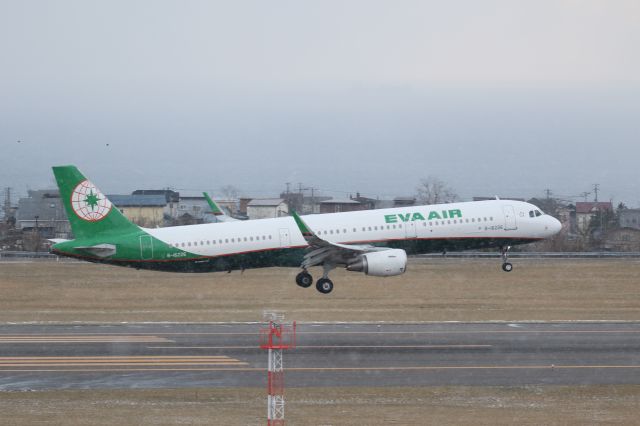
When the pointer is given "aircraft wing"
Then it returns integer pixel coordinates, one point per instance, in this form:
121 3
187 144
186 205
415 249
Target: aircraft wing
326 251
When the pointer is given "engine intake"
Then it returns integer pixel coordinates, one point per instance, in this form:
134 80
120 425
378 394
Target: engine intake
385 263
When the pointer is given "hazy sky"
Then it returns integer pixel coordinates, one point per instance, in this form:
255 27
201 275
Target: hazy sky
494 97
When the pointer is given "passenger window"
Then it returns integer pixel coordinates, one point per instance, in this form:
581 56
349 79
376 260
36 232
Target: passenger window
189 243
473 219
369 228
354 229
344 231
430 223
226 240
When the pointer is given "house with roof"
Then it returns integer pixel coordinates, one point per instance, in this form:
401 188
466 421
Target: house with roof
142 209
629 218
336 205
43 210
585 211
264 208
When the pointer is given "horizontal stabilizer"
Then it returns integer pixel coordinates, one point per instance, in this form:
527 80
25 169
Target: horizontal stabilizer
57 240
100 250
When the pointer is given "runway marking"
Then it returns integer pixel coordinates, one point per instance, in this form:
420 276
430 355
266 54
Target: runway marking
321 369
335 347
73 338
109 361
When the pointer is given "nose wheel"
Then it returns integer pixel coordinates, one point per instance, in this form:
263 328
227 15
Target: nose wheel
504 252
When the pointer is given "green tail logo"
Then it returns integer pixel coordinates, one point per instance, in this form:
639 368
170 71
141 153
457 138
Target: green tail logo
89 211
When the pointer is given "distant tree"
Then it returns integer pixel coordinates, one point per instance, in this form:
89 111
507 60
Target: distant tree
432 190
229 192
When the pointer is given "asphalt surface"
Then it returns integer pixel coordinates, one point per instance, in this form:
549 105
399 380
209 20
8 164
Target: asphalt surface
227 355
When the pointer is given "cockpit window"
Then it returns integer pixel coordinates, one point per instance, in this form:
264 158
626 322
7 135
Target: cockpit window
538 213
531 213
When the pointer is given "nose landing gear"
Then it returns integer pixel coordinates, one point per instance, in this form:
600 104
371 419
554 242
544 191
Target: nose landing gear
504 252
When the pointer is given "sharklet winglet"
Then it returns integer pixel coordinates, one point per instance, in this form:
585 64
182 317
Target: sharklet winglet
304 229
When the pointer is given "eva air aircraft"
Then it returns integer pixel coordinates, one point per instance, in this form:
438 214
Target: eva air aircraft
374 242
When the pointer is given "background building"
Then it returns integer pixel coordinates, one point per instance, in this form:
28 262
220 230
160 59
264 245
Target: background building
629 218
43 210
585 211
263 208
336 205
143 210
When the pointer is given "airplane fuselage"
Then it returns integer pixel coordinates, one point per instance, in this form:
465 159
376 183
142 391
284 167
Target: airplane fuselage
278 242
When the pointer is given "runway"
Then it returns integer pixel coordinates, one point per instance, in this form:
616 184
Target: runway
227 355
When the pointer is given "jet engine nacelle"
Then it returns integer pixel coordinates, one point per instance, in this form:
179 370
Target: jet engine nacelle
386 263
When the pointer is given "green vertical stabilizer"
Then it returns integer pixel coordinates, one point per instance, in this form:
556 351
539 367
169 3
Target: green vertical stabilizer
88 209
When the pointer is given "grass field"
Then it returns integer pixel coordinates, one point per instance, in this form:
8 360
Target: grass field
549 405
431 290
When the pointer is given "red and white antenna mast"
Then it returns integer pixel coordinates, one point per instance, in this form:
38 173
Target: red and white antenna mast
276 336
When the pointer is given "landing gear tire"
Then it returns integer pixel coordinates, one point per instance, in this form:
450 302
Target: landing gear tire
507 267
324 285
304 279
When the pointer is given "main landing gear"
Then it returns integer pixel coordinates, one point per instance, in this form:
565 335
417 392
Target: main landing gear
324 284
506 266
304 279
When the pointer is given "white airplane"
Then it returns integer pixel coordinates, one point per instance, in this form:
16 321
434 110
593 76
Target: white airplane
374 242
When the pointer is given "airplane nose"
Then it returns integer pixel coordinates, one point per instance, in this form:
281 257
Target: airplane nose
554 225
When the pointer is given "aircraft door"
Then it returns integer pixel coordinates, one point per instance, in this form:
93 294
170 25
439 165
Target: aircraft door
146 247
285 240
509 218
410 230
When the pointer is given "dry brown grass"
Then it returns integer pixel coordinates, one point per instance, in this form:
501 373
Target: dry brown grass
431 290
329 406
